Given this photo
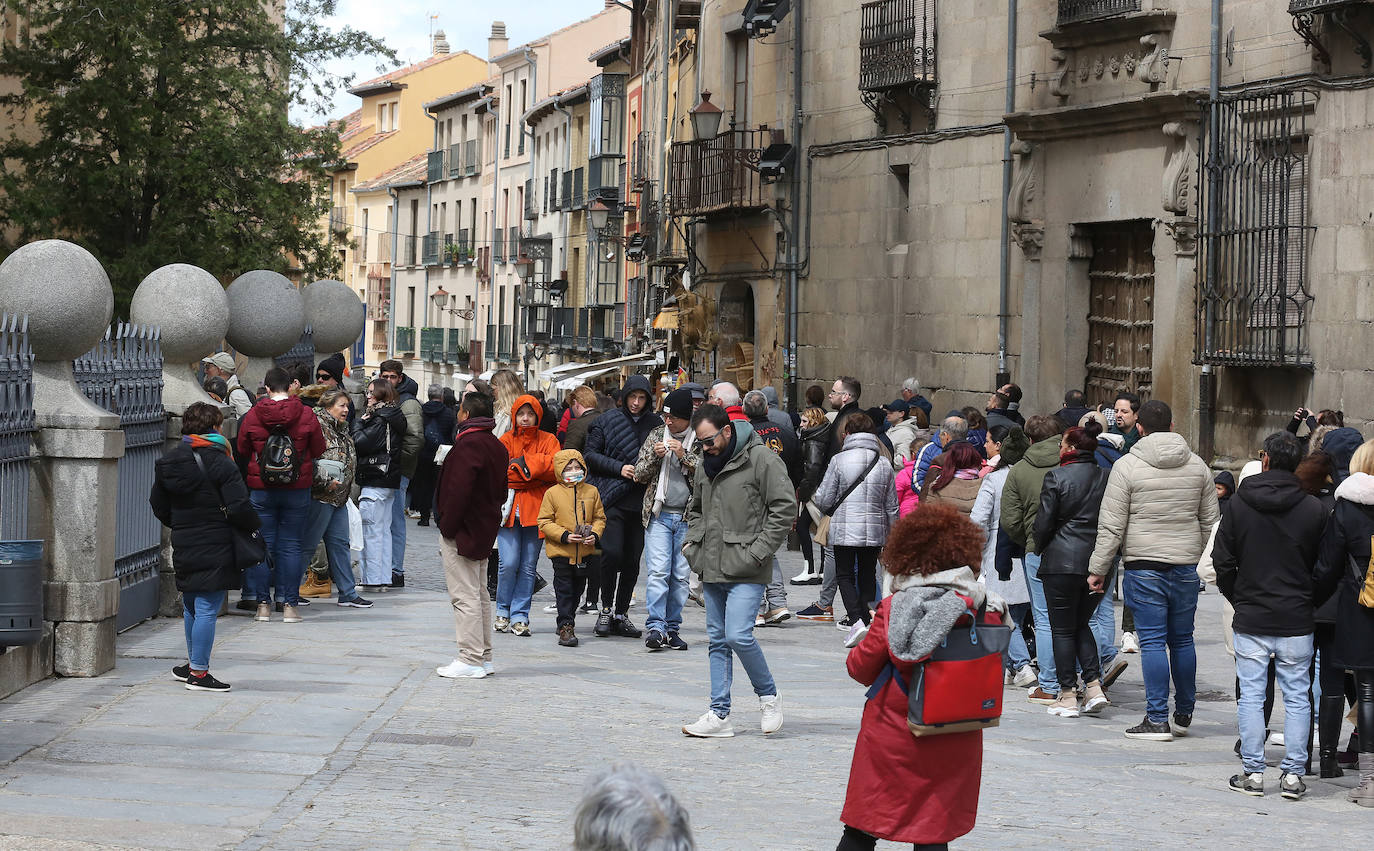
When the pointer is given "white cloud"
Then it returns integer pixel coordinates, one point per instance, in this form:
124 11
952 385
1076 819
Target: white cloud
405 26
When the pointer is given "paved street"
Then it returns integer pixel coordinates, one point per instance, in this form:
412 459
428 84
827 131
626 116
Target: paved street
337 734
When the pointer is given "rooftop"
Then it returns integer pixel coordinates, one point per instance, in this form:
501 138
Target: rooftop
408 172
388 81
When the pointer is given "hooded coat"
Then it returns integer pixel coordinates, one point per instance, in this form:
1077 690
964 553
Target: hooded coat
565 507
338 446
300 424
202 535
1021 494
903 788
1159 506
1341 444
530 470
383 430
1345 562
414 439
867 514
1265 553
613 441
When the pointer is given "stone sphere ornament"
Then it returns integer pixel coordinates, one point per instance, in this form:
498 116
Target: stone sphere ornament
335 315
65 293
266 314
190 307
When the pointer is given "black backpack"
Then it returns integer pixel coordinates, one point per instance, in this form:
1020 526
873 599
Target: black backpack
279 465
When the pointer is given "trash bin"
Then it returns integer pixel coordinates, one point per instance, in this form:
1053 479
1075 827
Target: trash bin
21 592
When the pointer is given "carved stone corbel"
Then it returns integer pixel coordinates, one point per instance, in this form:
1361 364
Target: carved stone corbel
1154 60
1080 243
1023 183
1030 237
1184 231
1179 189
1059 80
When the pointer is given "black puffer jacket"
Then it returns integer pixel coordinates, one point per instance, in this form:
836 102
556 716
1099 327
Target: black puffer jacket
1344 565
1066 521
815 446
614 441
182 499
370 433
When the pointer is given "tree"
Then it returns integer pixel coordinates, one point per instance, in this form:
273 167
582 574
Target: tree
157 131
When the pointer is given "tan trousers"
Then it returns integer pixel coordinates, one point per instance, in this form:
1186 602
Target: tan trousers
467 592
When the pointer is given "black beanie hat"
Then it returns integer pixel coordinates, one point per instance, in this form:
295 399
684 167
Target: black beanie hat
334 365
679 403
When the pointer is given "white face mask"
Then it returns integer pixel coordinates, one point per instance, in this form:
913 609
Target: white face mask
572 477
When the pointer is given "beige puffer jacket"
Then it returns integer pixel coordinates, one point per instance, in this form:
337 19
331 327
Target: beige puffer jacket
1160 505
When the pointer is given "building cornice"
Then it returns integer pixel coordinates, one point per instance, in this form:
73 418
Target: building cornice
1150 111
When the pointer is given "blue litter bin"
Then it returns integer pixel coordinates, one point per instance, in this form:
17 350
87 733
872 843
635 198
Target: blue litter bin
21 592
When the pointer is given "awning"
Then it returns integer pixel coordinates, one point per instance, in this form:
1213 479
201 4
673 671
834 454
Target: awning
581 378
561 369
666 320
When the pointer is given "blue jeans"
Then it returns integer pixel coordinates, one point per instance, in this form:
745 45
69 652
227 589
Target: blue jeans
519 548
665 586
283 514
199 610
398 528
1165 602
1103 625
331 523
375 506
1293 674
1018 654
1044 637
730 611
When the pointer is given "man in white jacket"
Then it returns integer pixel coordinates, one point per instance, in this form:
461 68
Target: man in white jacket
1158 511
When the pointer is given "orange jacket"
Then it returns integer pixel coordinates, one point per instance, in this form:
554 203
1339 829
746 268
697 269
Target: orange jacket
529 480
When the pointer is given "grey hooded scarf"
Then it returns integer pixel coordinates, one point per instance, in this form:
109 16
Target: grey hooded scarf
925 608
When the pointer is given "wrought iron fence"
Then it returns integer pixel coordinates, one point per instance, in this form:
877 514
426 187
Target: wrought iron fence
432 344
303 353
1077 11
17 426
1295 6
897 44
123 375
1254 298
434 167
718 174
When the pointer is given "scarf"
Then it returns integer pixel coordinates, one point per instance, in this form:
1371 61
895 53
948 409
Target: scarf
483 423
925 608
204 441
661 490
713 464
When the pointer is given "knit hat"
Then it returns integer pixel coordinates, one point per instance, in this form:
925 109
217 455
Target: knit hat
333 366
679 403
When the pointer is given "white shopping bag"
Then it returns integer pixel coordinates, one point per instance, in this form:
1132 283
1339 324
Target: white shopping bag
355 527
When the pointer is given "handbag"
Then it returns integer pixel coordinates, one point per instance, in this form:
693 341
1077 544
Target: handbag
821 535
249 547
958 687
1366 597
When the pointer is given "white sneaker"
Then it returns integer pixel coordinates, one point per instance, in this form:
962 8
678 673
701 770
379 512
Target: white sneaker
489 668
458 669
1129 643
711 726
1275 739
551 609
1025 677
772 714
856 634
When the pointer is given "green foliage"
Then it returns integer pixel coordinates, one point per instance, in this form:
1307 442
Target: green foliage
158 132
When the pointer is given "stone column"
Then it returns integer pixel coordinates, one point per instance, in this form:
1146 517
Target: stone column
190 307
73 503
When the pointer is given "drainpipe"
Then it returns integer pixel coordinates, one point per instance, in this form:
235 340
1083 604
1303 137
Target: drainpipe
793 285
564 215
395 258
669 11
1207 386
518 344
429 228
493 104
1004 265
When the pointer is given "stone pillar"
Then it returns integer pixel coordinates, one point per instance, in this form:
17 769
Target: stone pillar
190 307
73 502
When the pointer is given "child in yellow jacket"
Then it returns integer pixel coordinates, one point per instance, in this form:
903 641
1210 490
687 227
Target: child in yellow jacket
571 519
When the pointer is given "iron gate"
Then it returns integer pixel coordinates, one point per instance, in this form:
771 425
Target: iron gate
123 374
1121 281
17 426
1253 296
301 353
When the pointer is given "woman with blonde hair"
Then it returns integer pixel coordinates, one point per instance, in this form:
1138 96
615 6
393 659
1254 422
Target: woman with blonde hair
506 384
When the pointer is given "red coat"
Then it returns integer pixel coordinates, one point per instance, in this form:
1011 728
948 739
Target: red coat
472 488
301 424
537 448
902 788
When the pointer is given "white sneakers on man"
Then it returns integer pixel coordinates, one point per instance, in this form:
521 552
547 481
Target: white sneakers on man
458 669
710 726
1129 643
772 713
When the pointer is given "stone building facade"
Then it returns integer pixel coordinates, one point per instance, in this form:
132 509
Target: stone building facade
1210 252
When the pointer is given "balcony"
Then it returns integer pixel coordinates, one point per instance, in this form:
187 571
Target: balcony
432 344
472 158
604 180
573 190
554 197
435 171
897 44
1299 6
503 345
383 254
338 222
411 250
498 246
490 341
432 249
1082 11
378 299
641 160
719 175
456 346
405 340
455 160
531 202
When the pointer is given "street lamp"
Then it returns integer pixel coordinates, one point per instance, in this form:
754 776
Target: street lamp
441 298
600 215
705 119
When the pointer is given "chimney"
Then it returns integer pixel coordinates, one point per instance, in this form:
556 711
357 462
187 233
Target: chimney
497 43
440 43
611 4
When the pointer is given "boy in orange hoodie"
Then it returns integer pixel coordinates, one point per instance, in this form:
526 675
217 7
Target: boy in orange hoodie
571 520
529 474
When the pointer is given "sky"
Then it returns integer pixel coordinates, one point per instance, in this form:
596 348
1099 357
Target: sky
405 26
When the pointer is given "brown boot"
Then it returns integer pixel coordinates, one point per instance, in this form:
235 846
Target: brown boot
1066 705
1363 794
566 636
290 614
1095 700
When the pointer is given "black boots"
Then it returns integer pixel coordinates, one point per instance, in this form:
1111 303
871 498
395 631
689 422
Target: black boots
1329 711
603 624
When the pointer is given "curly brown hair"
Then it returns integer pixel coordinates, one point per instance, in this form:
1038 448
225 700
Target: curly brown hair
933 538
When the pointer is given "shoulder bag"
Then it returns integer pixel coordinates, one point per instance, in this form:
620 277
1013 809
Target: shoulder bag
821 535
376 465
249 547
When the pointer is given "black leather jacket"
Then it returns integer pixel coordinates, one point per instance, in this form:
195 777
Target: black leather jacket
815 442
1066 524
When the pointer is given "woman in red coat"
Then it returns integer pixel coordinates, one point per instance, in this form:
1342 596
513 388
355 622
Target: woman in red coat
902 788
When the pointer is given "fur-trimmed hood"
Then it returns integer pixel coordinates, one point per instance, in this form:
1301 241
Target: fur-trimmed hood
925 609
1358 488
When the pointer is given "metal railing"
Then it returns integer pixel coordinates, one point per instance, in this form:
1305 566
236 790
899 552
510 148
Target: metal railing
1253 299
432 248
641 159
432 344
718 174
603 179
434 168
410 250
123 375
531 201
338 221
575 198
503 347
472 157
378 298
383 254
455 160
405 339
1077 11
17 426
897 44
498 246
456 346
1296 6
554 197
302 353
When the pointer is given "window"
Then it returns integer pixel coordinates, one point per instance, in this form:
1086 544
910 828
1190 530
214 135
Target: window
520 148
739 76
366 236
901 204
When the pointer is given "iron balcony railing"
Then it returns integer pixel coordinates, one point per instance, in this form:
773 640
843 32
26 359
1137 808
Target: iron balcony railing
338 221
641 159
1078 11
1254 299
472 157
897 44
455 160
503 346
1297 6
456 347
720 174
433 247
405 339
383 254
432 344
378 298
513 244
554 197
448 250
498 245
434 170
603 179
531 200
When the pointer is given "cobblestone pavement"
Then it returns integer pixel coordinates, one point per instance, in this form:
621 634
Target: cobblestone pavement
337 734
